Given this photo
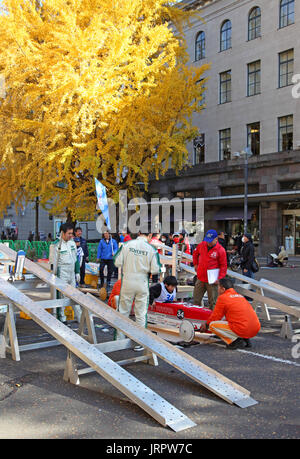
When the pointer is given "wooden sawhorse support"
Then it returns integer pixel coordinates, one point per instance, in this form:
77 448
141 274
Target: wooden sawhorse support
9 342
71 373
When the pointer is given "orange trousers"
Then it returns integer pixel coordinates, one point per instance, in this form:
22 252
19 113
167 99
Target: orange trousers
221 328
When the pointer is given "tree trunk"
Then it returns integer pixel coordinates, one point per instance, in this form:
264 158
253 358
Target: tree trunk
37 234
70 219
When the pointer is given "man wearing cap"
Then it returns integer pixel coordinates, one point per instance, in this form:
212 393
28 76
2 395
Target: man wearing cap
210 264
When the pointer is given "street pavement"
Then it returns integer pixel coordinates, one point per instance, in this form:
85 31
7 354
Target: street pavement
35 401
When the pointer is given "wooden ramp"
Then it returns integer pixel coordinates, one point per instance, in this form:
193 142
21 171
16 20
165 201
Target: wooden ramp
204 375
161 410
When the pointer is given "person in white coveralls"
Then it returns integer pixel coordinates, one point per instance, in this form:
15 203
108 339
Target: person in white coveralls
137 259
64 257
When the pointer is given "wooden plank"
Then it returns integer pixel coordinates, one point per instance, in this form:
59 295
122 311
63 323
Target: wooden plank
151 402
168 333
94 291
293 311
281 287
13 338
199 372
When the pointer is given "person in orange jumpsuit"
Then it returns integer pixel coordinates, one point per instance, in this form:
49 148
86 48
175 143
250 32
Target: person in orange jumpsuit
114 296
241 322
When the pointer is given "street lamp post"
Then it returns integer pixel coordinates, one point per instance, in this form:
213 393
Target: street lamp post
246 154
246 195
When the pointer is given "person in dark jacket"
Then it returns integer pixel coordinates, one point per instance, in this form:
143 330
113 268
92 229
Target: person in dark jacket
222 239
247 255
85 259
107 249
238 244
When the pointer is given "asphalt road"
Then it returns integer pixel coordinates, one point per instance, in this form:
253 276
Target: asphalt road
35 401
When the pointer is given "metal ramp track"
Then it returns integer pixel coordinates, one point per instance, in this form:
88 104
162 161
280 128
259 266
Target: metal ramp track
209 378
161 410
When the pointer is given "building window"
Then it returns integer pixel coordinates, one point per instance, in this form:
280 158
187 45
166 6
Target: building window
287 13
199 149
254 78
200 46
224 144
225 87
290 186
202 101
225 37
254 23
285 133
199 193
286 68
235 190
253 138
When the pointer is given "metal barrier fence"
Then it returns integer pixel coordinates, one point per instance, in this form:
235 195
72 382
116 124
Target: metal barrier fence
41 248
257 290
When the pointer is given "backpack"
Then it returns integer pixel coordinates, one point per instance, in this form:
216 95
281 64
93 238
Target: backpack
255 266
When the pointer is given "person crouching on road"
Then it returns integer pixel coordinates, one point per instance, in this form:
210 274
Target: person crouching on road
137 259
164 292
241 322
209 255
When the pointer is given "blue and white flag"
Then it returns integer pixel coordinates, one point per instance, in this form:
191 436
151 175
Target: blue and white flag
102 201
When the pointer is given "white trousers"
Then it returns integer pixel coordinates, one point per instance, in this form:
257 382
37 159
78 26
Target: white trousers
67 274
134 288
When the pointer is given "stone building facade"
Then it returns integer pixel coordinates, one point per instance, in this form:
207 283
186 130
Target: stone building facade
250 101
25 221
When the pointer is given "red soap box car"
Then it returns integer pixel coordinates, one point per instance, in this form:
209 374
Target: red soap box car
172 314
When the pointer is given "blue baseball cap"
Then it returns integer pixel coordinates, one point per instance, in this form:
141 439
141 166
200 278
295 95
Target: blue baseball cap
210 235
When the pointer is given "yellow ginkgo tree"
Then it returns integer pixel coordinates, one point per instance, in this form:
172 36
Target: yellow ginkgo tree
93 88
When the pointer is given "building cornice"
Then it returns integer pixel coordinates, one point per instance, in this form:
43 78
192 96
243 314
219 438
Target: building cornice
269 160
195 4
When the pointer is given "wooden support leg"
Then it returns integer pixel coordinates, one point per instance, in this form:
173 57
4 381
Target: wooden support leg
287 329
2 346
4 338
71 373
86 321
10 334
255 303
152 358
264 308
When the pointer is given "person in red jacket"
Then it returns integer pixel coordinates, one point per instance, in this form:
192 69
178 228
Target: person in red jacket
209 257
241 322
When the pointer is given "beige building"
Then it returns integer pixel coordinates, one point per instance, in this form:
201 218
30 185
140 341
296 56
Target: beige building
250 78
254 51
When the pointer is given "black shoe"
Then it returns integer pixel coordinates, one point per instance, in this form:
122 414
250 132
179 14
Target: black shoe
138 348
247 342
239 343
